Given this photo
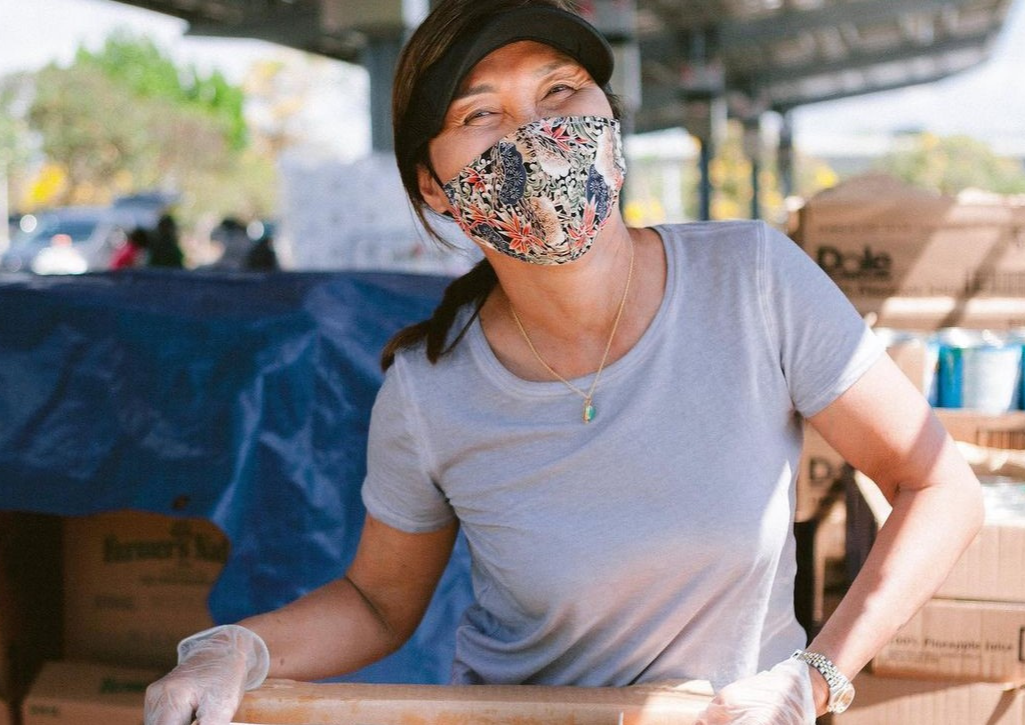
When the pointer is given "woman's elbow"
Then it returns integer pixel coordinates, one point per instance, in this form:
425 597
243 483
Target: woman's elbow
966 499
976 508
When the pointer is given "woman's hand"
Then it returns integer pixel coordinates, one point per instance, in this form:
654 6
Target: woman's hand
780 696
215 668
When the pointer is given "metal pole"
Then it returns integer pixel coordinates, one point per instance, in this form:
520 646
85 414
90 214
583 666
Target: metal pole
380 56
753 151
756 207
785 155
705 191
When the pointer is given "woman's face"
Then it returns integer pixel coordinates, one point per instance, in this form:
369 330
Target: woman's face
514 85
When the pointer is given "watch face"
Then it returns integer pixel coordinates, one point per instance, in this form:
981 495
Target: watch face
842 700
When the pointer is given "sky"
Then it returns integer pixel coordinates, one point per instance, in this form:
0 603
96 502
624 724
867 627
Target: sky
987 102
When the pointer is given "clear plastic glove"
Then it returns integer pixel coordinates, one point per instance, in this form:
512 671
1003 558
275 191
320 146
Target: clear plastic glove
215 668
780 696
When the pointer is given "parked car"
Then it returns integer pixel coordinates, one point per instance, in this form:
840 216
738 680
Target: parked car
75 239
75 225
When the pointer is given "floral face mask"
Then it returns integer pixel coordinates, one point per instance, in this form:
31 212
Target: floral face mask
543 193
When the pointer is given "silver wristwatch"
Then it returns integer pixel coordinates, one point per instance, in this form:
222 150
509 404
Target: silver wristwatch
841 691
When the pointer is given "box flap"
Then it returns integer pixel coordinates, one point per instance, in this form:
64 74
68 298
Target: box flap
284 702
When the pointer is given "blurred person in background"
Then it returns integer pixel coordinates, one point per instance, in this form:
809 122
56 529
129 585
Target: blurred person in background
133 253
231 235
243 248
164 248
261 256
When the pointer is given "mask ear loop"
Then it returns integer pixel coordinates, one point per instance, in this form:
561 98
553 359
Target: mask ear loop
441 185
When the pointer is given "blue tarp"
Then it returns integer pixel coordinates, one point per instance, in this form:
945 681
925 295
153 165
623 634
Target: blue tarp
240 398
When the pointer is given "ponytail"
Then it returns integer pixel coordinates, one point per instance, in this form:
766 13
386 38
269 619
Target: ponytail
474 286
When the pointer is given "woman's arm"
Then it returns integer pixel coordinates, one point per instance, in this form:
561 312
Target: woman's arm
337 628
884 428
363 616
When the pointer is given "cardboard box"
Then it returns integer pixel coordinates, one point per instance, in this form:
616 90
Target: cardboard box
84 693
284 702
992 568
902 701
927 314
818 477
879 238
989 430
135 584
959 639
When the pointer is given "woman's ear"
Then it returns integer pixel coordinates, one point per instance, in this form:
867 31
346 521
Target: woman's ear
431 191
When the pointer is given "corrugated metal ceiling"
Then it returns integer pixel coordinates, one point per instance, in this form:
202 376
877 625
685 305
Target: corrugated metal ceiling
756 55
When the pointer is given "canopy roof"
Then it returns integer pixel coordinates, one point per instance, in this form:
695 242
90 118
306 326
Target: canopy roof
756 55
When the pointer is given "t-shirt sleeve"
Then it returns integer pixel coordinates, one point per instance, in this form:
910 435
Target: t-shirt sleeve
398 488
824 344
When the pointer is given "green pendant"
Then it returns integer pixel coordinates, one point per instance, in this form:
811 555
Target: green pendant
589 412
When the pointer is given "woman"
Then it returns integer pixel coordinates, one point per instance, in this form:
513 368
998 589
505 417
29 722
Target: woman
610 415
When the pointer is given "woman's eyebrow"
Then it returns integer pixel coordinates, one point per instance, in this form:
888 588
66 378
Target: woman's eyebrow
474 91
481 88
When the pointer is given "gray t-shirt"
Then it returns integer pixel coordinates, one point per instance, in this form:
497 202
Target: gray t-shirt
655 542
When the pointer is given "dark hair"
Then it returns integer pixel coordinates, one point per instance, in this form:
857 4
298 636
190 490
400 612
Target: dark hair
139 237
448 23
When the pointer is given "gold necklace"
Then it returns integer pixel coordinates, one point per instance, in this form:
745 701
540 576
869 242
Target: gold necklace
589 410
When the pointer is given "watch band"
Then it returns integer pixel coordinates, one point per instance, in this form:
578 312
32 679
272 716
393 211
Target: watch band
841 691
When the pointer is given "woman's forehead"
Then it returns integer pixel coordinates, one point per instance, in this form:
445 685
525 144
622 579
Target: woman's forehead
521 57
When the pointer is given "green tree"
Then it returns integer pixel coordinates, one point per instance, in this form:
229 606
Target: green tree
110 141
953 163
136 63
127 119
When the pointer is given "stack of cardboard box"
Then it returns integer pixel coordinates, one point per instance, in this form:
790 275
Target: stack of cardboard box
97 605
969 637
913 261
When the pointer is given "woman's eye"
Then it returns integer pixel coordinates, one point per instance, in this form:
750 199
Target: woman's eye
475 116
560 88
